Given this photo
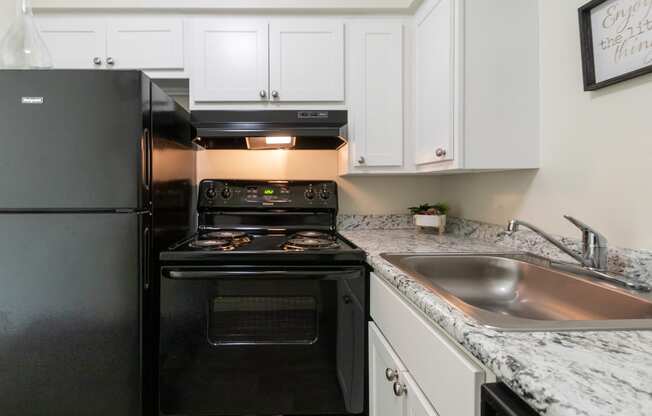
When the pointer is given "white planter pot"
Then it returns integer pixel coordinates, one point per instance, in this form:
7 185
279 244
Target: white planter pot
431 221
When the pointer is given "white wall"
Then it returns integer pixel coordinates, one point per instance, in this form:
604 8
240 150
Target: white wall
596 150
7 12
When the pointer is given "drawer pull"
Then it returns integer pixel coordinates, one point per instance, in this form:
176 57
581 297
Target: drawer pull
399 389
391 374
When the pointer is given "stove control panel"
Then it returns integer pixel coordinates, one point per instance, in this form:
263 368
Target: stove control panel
225 194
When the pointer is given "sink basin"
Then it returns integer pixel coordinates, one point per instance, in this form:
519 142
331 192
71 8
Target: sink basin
522 293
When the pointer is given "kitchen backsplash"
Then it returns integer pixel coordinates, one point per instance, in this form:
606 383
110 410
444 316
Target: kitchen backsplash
636 264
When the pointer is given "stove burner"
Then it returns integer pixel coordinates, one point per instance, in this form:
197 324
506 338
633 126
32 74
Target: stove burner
227 234
224 245
232 237
303 243
313 234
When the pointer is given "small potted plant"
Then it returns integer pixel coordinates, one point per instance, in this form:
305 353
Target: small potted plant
430 216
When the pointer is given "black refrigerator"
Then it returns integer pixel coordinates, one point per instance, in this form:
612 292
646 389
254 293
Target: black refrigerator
96 171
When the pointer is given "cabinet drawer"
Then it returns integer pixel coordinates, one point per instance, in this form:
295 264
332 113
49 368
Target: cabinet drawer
449 379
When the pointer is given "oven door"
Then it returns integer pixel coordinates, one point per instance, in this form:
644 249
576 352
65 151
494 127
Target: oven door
262 341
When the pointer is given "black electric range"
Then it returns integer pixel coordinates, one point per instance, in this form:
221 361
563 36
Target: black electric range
263 310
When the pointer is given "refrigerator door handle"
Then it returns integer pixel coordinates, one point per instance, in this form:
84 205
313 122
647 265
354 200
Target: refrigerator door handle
147 160
146 257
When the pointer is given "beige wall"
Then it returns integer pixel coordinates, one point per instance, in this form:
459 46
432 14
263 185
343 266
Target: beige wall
362 195
596 150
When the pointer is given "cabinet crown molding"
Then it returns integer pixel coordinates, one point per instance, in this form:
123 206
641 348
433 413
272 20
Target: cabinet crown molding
233 5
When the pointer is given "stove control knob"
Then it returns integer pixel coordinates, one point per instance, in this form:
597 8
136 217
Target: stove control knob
310 193
211 193
324 194
226 193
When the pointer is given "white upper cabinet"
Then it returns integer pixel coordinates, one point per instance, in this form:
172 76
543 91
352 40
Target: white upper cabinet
306 60
435 79
230 60
74 42
149 43
376 94
145 43
477 85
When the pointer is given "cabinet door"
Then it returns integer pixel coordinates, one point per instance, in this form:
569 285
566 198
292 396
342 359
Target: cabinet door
145 43
435 82
74 43
382 400
307 60
377 93
230 60
417 403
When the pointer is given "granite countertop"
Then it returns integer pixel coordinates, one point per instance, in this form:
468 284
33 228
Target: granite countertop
595 373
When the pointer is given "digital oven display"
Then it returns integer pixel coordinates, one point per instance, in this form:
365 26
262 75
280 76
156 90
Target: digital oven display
269 191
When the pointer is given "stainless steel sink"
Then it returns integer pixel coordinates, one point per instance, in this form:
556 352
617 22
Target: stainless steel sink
525 293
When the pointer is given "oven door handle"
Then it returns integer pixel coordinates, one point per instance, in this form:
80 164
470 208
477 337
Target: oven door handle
178 274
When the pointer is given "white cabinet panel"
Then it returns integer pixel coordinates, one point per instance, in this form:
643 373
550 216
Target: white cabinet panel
417 402
307 60
449 379
146 43
382 401
377 93
74 42
230 60
435 80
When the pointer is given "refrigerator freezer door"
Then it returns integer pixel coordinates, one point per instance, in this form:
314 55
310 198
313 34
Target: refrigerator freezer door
69 314
71 139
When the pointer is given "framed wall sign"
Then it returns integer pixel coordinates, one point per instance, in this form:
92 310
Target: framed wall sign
616 37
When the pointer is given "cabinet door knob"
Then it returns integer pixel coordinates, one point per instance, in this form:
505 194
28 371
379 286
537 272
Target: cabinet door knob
275 94
110 61
97 60
391 374
361 161
263 93
399 389
441 152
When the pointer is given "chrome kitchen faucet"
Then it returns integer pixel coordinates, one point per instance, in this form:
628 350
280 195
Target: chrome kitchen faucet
592 260
594 244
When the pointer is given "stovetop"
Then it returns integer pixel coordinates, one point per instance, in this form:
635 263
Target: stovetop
270 246
254 222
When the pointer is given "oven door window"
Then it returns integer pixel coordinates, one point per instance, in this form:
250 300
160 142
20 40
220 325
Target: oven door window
263 320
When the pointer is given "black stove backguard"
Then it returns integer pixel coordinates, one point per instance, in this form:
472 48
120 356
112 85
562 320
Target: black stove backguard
258 330
267 204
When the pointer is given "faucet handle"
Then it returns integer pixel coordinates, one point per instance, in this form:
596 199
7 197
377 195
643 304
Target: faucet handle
598 239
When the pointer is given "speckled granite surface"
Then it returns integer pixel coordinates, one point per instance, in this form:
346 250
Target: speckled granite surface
558 374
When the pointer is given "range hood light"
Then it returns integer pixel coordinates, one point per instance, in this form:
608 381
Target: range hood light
278 140
271 142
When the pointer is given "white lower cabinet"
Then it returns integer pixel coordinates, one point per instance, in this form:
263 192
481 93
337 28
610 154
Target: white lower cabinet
392 391
434 375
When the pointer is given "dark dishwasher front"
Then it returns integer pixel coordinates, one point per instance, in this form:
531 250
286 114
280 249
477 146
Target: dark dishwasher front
262 340
499 400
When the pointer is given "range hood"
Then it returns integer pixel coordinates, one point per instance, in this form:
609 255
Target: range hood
270 129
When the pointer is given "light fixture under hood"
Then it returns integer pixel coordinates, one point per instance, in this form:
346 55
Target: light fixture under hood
270 129
271 142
